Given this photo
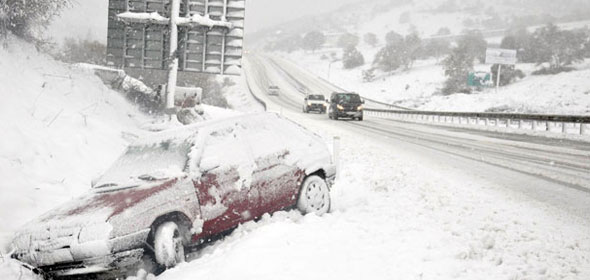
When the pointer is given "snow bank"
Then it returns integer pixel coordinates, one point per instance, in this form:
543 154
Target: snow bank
11 269
61 127
399 215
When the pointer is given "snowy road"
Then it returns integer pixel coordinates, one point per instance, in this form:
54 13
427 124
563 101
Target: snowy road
552 171
415 202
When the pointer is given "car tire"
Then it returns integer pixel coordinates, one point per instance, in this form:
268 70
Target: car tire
168 245
314 196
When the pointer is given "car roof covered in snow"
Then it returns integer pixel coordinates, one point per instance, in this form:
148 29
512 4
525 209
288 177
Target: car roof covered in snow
264 132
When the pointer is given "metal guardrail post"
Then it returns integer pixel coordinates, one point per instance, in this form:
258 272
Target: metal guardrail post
582 128
534 125
520 124
563 128
508 123
547 127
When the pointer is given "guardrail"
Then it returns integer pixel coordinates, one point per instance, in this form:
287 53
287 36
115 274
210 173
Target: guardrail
376 103
536 122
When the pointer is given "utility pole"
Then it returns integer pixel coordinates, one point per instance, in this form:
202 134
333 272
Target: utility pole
173 66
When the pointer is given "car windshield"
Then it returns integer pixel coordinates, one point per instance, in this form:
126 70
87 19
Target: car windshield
348 98
316 97
146 163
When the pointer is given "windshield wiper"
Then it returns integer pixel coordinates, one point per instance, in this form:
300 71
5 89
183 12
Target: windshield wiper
147 177
107 185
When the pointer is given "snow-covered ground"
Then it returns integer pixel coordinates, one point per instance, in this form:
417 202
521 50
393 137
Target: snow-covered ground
60 128
565 93
395 215
399 216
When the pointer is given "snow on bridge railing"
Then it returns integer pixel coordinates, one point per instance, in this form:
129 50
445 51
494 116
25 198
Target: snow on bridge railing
565 123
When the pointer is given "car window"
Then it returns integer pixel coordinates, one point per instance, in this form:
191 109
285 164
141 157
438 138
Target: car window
316 97
348 98
225 149
167 159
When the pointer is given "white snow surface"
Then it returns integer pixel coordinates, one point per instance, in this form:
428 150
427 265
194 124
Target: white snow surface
399 216
61 127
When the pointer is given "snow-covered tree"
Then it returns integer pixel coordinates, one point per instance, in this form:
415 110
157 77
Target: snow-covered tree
398 52
392 38
371 39
460 62
352 58
558 47
313 40
23 17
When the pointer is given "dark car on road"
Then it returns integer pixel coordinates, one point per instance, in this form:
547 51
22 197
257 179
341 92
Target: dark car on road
314 103
177 189
345 105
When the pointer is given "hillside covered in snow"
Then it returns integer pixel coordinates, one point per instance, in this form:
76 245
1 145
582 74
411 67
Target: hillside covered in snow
60 126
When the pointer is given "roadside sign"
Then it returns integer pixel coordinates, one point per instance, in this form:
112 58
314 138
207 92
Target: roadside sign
210 35
479 79
501 56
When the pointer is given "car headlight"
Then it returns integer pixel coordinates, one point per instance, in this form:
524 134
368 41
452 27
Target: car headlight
340 107
308 103
325 105
359 108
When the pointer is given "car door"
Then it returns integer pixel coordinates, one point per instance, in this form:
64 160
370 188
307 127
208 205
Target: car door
275 180
224 186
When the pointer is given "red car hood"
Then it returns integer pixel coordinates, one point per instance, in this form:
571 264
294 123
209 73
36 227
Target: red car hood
79 221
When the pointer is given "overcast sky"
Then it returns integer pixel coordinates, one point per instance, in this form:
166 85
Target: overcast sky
88 18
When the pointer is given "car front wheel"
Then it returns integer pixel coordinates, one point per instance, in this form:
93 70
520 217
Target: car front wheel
314 196
168 245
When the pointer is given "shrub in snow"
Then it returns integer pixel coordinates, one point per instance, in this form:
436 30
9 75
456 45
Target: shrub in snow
508 75
371 39
83 51
352 58
21 17
348 40
313 40
368 75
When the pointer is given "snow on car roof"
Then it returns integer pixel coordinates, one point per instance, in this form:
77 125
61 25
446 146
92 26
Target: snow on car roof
285 134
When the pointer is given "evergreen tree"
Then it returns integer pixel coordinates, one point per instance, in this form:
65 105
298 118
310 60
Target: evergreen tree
352 58
313 40
22 16
460 62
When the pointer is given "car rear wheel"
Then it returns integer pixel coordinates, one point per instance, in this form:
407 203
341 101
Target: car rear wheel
314 196
168 245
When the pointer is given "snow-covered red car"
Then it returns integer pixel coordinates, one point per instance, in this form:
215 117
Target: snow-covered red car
177 189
